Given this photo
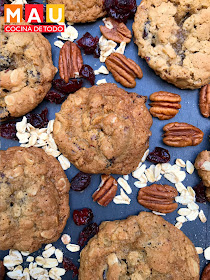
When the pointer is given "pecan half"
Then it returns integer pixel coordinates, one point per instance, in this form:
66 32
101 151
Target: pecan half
106 190
70 61
182 135
124 69
2 271
115 31
165 105
158 198
204 101
206 273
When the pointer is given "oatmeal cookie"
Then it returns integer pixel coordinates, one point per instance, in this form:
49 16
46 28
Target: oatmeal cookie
81 10
26 71
173 36
34 199
140 247
103 129
202 164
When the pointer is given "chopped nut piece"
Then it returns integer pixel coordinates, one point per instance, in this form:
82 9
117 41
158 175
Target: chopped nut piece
66 239
189 167
73 247
202 216
102 81
124 185
204 101
207 253
199 250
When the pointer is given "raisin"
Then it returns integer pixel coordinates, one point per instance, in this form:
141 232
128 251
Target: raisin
68 265
88 43
159 155
8 130
83 216
97 51
88 232
66 88
120 10
87 72
38 120
55 97
200 191
80 182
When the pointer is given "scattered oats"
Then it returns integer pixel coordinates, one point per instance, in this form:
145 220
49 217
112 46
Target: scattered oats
52 143
23 137
180 175
193 215
121 48
171 178
138 172
207 254
124 196
184 200
157 171
48 246
15 274
70 34
180 187
30 259
56 272
58 44
189 167
43 136
102 81
21 126
165 166
178 225
191 192
184 211
107 23
199 250
181 219
37 271
119 200
20 2
65 163
50 262
14 258
174 168
180 162
51 152
158 213
123 183
70 23
49 252
66 239
139 184
193 206
202 216
50 126
126 177
40 260
25 253
32 265
73 247
145 155
59 255
139 165
26 274
143 179
102 70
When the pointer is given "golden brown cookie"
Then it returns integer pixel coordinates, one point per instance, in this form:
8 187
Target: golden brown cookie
202 164
140 247
26 71
103 129
34 199
173 36
81 10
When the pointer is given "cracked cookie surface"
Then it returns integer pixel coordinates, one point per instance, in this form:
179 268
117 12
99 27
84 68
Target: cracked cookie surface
26 71
144 247
81 10
103 129
34 199
174 38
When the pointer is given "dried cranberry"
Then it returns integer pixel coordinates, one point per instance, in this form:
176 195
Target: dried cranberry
88 232
83 216
66 88
80 182
38 120
87 72
55 97
68 265
200 191
97 51
159 155
88 43
8 130
121 10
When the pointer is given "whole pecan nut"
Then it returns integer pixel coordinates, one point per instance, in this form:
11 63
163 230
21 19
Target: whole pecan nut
70 61
115 31
204 101
106 190
182 135
124 69
2 271
165 105
158 198
206 273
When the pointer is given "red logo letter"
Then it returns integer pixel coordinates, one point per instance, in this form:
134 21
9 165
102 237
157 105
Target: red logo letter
34 13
